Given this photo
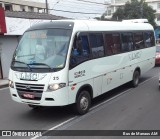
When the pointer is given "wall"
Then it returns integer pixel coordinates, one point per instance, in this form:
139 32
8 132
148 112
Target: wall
9 41
27 3
17 26
16 8
8 44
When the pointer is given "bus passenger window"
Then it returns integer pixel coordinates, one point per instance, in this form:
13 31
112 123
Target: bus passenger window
108 44
138 40
80 51
116 43
112 44
97 44
149 39
127 42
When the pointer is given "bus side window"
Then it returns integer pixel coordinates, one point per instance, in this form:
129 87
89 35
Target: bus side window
127 42
138 40
112 43
116 43
108 44
149 39
80 51
97 44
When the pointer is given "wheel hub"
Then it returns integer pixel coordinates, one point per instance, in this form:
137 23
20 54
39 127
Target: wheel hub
84 103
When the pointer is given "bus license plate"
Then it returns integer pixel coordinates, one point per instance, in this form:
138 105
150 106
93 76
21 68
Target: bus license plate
28 96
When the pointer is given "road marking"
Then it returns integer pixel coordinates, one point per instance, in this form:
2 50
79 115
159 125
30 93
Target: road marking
61 124
93 109
148 80
100 106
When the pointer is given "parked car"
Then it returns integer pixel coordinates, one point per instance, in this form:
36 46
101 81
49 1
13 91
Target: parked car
157 62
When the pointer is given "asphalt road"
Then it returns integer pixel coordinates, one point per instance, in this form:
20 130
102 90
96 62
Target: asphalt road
123 108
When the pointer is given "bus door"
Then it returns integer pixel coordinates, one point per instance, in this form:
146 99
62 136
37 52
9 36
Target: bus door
80 55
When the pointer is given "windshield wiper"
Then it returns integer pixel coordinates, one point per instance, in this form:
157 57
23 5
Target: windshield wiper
22 63
43 64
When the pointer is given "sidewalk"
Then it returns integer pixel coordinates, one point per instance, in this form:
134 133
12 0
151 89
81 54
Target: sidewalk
3 83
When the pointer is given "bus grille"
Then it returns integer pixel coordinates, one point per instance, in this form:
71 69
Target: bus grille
35 90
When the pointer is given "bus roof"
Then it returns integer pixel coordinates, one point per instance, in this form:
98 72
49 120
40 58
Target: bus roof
136 20
53 24
89 25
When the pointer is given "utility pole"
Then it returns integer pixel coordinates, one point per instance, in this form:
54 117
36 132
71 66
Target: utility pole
141 8
46 6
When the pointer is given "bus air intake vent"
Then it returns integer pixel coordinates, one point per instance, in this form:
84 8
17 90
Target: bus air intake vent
35 90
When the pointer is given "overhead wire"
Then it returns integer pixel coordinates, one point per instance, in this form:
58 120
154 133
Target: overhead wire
92 2
73 12
84 8
84 1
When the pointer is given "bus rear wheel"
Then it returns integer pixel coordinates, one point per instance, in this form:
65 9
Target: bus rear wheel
83 102
135 80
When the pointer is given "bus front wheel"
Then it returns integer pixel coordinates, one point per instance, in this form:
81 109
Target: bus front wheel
135 80
83 102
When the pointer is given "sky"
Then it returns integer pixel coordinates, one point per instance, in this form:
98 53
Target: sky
79 9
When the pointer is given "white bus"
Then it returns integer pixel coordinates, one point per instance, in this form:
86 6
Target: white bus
73 61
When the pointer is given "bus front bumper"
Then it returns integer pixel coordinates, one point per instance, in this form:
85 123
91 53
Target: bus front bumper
54 98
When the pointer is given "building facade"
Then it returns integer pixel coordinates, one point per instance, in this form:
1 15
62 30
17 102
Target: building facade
155 4
20 5
113 6
16 23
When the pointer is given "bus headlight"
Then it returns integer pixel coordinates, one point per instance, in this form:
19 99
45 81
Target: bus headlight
11 84
56 86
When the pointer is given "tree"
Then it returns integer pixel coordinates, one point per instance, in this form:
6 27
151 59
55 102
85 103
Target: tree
101 18
135 9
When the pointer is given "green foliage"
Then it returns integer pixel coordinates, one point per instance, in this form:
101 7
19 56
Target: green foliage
135 10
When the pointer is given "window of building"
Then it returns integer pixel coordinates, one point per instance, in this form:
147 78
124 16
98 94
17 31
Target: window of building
138 40
127 42
8 7
30 9
97 44
1 5
108 12
158 18
158 5
22 8
40 10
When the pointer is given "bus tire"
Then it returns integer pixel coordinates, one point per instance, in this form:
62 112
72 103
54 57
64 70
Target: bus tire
83 102
135 80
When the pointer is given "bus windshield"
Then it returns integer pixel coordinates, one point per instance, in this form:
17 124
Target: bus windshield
42 49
